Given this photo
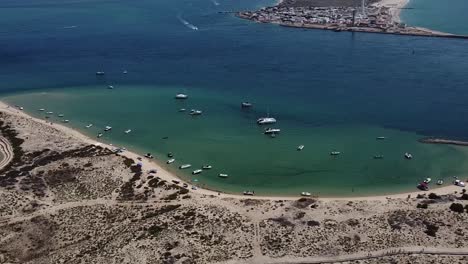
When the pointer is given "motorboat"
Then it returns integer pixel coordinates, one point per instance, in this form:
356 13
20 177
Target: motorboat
306 194
381 138
21 108
335 153
149 156
110 87
423 186
428 180
300 147
440 182
246 105
65 121
61 115
223 175
250 193
197 171
125 72
378 157
90 125
271 131
195 112
169 161
107 128
185 166
408 156
127 131
181 96
99 135
182 110
207 167
41 110
266 120
100 73
459 183
49 113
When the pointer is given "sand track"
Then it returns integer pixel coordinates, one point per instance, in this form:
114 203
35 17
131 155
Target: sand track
7 151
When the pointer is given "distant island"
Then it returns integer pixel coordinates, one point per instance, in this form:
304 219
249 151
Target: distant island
375 16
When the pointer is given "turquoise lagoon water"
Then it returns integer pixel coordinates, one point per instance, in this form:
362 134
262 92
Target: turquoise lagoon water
329 91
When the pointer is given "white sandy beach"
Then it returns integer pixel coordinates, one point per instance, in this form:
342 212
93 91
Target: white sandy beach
395 7
168 176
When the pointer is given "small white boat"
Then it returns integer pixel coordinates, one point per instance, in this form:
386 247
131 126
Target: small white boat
306 194
49 113
65 121
246 105
61 115
99 135
21 108
427 180
408 156
250 193
197 171
195 112
223 175
107 128
335 153
182 110
272 131
110 87
125 72
42 110
181 96
207 167
127 131
100 73
300 147
185 166
266 120
169 161
149 156
381 138
90 125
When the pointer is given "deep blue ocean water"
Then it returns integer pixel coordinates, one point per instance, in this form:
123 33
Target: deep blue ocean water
315 82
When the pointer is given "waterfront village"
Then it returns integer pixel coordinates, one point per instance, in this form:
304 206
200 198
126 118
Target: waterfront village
369 19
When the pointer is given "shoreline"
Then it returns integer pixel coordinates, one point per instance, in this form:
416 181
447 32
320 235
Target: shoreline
169 177
395 6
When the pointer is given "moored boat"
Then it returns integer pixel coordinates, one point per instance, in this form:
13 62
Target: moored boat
440 182
170 155
107 128
223 175
266 120
90 125
335 153
378 157
197 171
207 167
41 110
182 110
195 112
246 105
65 121
427 180
100 73
169 161
61 115
127 131
149 156
110 87
300 147
181 96
408 156
272 131
381 138
99 135
185 166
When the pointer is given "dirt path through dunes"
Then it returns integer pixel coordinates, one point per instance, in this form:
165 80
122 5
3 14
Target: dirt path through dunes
374 255
7 151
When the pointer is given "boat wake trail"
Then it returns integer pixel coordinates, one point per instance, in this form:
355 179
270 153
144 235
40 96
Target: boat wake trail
187 24
216 3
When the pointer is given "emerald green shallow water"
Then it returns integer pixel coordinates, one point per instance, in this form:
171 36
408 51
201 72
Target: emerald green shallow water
228 138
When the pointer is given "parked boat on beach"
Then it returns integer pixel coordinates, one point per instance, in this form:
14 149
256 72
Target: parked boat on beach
307 194
185 166
181 96
149 156
250 193
197 171
169 161
99 135
223 175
